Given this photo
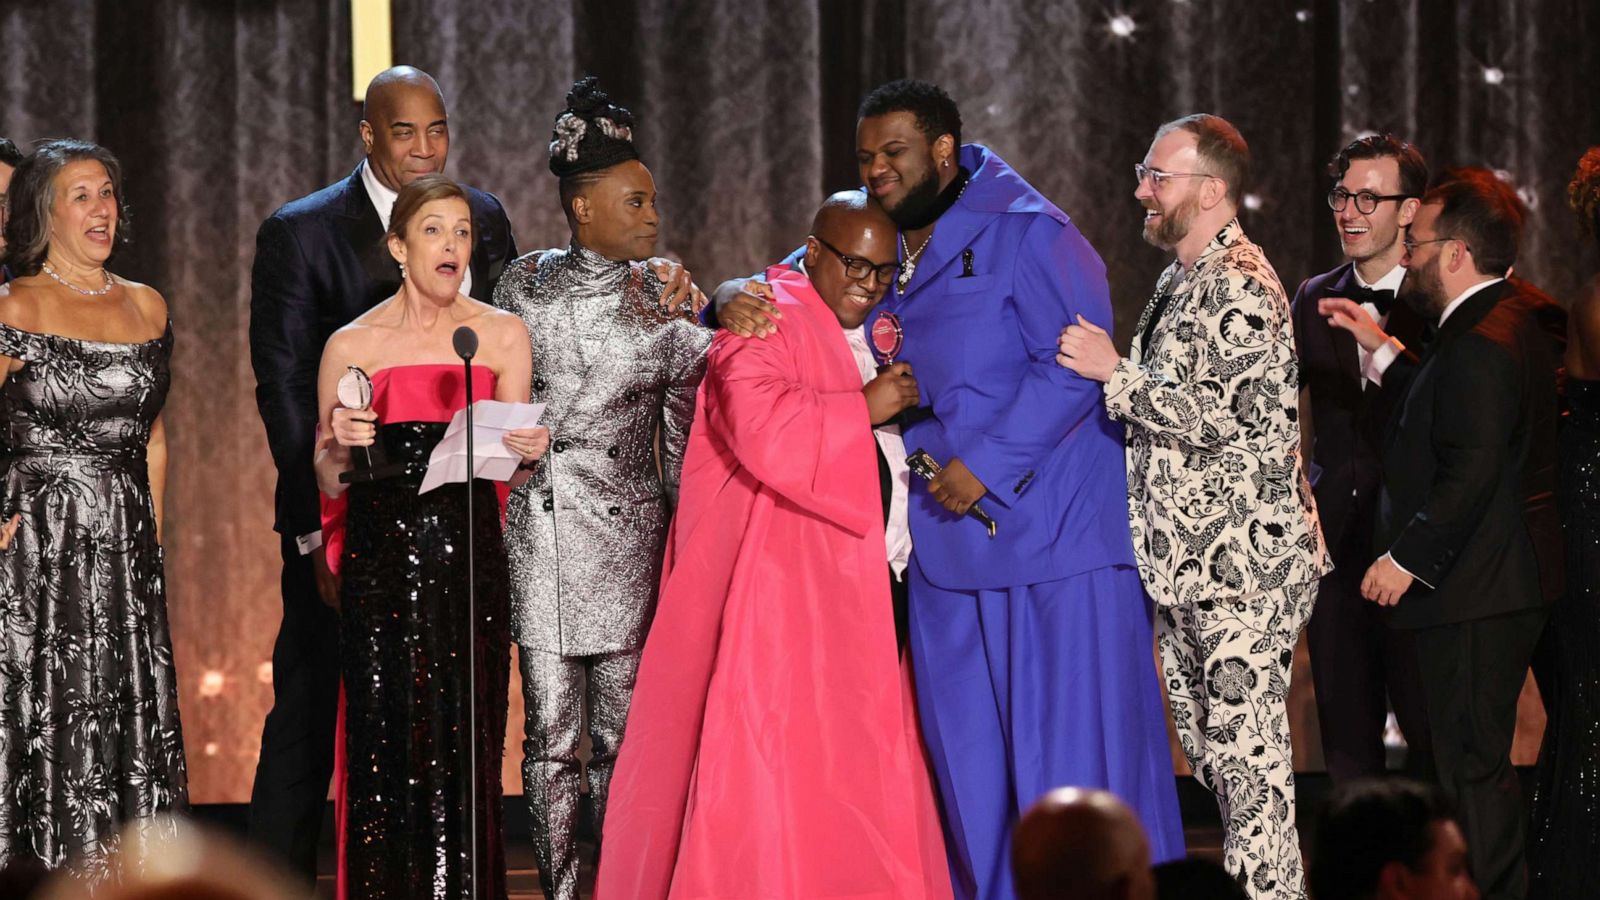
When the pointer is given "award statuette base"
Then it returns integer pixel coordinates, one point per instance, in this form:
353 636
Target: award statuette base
378 473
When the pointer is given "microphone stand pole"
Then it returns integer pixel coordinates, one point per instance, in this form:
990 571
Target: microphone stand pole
472 644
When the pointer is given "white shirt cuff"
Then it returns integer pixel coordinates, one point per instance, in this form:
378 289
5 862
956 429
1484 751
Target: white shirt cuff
1397 565
1381 359
309 542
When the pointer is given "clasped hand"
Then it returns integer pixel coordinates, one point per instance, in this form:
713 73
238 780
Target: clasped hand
751 312
528 443
1087 350
956 488
1385 582
893 391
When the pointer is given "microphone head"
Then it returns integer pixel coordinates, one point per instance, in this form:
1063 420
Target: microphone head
465 341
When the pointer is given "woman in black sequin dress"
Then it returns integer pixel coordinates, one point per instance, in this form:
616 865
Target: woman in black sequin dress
89 735
1564 842
408 752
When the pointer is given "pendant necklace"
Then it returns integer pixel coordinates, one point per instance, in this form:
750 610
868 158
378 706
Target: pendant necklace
909 267
85 291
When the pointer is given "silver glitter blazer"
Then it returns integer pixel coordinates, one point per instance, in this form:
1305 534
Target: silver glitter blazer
585 535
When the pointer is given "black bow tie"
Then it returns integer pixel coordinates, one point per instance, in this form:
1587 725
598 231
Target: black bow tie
1383 300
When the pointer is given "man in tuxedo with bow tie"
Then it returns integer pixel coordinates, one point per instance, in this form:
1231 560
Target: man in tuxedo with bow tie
1458 560
1360 667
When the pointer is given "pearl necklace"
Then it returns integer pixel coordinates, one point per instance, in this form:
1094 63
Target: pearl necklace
85 291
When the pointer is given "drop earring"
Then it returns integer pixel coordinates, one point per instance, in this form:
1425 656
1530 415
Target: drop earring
402 271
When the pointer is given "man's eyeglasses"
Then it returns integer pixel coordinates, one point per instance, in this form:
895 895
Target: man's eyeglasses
1159 178
1366 201
856 268
1411 245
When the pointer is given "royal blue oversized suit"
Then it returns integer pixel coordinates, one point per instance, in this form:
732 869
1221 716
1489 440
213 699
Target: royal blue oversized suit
1032 650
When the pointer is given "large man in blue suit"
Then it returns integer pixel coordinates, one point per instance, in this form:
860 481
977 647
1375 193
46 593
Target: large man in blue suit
1032 649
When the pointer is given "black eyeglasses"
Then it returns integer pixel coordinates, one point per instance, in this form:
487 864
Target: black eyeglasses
1366 201
1412 245
856 268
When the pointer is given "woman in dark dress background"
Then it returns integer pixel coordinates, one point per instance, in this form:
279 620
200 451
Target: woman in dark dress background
89 736
1564 842
404 763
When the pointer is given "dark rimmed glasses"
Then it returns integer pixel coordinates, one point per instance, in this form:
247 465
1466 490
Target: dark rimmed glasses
1411 244
856 268
1366 201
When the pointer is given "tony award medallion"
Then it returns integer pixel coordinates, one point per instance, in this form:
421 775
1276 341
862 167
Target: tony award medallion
887 337
355 392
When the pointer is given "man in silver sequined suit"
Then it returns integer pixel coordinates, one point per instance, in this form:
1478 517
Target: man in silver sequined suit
586 534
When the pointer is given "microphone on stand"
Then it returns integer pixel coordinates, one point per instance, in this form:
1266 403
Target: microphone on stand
465 341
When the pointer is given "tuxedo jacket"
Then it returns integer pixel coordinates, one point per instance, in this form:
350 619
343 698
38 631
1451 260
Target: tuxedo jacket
1347 418
321 261
1463 456
1218 502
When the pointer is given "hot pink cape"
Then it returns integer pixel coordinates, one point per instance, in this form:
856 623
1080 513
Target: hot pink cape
772 749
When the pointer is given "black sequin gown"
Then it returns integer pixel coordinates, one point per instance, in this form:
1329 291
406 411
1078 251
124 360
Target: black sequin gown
405 648
1564 843
89 732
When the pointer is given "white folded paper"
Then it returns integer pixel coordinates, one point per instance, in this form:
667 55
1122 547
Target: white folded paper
491 419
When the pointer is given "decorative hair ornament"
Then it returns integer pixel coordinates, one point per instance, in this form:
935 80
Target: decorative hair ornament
612 130
569 134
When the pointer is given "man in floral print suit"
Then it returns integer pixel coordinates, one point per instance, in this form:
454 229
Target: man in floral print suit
1223 521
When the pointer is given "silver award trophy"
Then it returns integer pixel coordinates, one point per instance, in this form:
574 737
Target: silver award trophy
355 392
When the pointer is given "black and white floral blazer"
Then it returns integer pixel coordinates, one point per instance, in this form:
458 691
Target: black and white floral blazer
1217 498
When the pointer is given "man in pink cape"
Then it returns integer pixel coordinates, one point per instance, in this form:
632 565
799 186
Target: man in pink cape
772 749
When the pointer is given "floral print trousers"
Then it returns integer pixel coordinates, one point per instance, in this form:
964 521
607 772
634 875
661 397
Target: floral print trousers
1226 666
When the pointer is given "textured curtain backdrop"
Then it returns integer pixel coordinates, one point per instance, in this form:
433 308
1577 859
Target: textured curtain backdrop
221 111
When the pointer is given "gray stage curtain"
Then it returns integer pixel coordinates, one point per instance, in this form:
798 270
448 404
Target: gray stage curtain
221 111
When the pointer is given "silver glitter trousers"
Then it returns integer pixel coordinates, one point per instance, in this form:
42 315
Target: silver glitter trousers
561 694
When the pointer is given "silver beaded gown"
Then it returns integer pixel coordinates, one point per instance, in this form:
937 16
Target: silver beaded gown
585 535
89 732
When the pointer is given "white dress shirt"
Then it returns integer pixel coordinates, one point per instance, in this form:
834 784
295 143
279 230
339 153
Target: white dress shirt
1389 282
897 532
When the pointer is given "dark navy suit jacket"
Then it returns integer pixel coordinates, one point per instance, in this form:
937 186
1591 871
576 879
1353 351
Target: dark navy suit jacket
321 261
1347 419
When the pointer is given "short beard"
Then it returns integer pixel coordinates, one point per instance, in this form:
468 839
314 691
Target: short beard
1422 290
920 199
1174 225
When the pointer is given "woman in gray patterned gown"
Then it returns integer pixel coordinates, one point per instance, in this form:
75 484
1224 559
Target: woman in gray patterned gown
89 734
